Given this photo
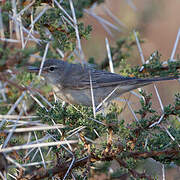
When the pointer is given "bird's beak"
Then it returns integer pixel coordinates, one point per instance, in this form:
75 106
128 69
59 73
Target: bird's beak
36 70
33 69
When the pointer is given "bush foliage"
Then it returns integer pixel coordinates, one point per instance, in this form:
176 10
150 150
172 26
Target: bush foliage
27 101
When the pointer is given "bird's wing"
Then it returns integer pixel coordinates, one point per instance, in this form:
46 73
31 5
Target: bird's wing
78 77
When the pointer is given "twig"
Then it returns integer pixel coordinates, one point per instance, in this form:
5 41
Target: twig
159 98
9 149
132 112
10 40
34 128
11 131
35 163
107 97
25 9
163 172
70 167
81 54
101 20
43 59
39 15
41 154
21 32
139 47
16 117
14 9
92 96
60 7
157 122
109 56
113 16
175 45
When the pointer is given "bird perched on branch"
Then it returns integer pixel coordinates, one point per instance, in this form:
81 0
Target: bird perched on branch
74 83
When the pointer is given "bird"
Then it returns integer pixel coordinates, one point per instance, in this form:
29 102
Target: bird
74 83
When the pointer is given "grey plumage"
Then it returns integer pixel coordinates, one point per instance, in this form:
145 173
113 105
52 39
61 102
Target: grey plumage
71 82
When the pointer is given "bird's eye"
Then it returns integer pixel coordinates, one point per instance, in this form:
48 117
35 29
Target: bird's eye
51 68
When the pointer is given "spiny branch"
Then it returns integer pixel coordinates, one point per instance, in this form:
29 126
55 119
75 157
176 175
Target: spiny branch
108 156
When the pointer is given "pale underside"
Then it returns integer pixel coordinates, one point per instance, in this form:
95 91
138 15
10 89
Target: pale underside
84 96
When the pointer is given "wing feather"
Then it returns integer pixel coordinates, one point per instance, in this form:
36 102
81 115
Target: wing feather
78 77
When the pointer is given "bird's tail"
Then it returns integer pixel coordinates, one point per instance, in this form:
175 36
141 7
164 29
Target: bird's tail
136 83
160 79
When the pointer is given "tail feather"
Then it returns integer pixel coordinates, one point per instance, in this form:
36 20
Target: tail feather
162 78
150 80
134 84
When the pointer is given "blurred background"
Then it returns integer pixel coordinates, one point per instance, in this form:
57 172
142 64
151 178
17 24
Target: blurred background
157 23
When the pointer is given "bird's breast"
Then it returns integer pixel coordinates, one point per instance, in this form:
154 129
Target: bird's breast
84 96
80 97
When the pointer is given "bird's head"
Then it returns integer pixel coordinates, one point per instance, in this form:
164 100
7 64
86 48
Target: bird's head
51 70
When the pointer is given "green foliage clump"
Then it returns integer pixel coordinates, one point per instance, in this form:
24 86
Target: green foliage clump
156 67
80 116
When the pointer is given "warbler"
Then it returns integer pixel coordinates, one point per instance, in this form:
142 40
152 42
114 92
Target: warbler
76 83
